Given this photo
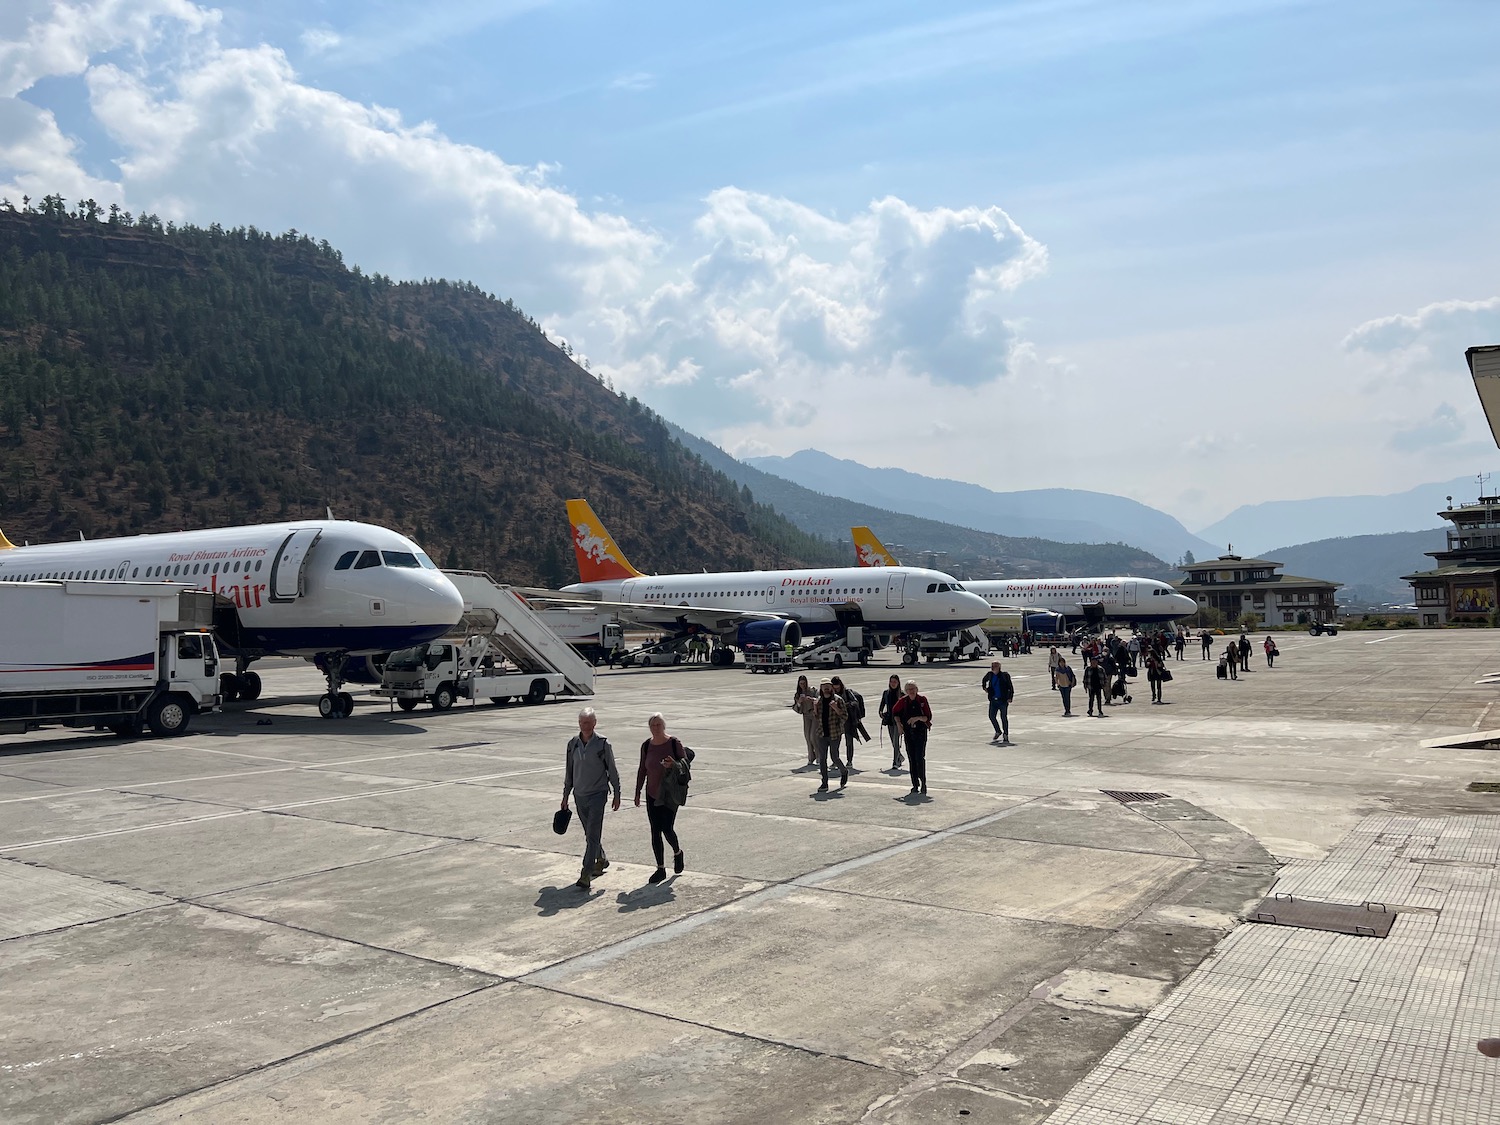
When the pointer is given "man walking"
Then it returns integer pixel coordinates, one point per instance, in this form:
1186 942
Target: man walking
1000 691
589 775
1094 682
1208 643
1065 682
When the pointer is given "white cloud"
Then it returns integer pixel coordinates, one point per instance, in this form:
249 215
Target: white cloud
1409 349
634 82
320 40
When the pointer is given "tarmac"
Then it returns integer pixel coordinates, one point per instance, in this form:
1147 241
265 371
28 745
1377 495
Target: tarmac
279 918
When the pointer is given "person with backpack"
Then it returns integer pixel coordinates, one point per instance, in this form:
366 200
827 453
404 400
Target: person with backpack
854 714
915 716
663 774
999 690
1095 683
589 774
1156 674
1208 643
893 729
1244 652
1065 681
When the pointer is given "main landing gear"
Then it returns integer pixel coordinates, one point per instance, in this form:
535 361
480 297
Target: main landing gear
240 684
334 703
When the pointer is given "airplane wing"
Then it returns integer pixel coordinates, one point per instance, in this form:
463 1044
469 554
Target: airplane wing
682 618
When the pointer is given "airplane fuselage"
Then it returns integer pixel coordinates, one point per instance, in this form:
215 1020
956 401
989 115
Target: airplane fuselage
298 589
1124 600
888 600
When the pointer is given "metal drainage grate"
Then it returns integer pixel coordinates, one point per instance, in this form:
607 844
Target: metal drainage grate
1368 919
1125 796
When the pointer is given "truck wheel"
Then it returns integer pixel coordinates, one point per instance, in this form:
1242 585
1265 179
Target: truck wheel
407 704
250 686
229 687
442 699
168 716
346 704
538 692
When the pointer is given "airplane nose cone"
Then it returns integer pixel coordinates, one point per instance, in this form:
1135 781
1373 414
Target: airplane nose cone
440 603
976 607
1185 605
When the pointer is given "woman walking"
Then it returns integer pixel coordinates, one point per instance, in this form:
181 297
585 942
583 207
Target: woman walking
1271 652
915 717
660 753
804 702
888 700
1155 669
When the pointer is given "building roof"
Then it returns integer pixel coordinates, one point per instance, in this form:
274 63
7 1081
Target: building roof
1228 562
1453 572
1276 582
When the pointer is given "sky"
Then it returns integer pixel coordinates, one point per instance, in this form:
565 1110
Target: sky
1201 254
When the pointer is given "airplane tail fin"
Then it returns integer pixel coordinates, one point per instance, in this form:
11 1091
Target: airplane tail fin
6 544
871 551
599 559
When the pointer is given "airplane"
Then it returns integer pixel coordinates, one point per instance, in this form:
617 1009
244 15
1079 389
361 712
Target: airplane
1137 601
765 606
332 591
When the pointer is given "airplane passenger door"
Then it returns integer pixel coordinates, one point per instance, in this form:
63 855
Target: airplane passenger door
895 592
1129 591
290 561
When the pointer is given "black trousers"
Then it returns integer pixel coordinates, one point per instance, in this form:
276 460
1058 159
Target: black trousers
916 755
663 824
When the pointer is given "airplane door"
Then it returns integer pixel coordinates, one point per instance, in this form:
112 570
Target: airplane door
895 592
1129 590
286 569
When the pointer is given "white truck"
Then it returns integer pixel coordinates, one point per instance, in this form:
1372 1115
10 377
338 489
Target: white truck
962 644
441 672
592 631
853 646
118 656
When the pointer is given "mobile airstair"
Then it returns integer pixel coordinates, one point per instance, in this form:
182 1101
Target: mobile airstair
496 612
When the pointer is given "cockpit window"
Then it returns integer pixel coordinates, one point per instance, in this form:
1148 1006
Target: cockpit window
368 559
346 560
932 587
427 563
402 559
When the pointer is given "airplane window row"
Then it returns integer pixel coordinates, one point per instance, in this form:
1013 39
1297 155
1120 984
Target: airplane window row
363 560
178 570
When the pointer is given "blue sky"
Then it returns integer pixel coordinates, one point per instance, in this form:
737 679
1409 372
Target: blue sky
996 242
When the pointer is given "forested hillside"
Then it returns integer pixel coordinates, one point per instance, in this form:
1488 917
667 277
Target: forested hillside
156 377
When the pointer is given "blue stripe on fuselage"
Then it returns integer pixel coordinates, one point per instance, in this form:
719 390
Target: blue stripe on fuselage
350 639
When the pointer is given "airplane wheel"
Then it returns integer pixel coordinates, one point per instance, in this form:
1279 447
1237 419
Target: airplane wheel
250 686
346 704
407 704
327 706
442 699
229 687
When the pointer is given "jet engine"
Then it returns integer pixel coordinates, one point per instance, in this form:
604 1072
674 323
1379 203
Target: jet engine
785 632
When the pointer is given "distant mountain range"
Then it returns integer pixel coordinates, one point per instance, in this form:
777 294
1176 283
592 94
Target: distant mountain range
965 552
1369 566
1064 514
1252 528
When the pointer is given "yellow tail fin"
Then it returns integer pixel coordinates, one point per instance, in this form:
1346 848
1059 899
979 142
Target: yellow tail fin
871 551
6 544
599 559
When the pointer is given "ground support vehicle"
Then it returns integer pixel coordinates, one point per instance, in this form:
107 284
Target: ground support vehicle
657 655
771 658
592 631
500 650
1318 628
962 644
853 646
118 656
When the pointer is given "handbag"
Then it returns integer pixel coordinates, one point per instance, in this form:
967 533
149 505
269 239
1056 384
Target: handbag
1166 674
561 819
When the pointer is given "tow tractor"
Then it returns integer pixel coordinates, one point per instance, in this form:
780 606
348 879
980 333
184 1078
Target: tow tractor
1318 628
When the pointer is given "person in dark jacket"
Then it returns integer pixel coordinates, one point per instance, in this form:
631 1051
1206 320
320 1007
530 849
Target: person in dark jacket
1155 668
590 774
1207 642
1095 683
888 700
829 716
915 717
660 753
854 713
1244 652
999 690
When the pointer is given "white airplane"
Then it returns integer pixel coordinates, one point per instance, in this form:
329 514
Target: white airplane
765 606
1137 601
326 590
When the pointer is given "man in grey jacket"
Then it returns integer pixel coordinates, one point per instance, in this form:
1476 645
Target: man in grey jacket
590 775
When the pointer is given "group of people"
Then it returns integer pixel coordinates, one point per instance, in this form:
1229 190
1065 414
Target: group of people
833 718
1236 657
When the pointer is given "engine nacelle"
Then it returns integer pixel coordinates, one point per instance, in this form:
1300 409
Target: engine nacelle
786 632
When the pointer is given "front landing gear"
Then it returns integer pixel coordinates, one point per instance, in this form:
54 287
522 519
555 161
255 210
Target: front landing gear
334 703
240 684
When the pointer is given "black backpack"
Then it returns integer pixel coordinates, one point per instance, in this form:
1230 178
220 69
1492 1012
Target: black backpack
858 704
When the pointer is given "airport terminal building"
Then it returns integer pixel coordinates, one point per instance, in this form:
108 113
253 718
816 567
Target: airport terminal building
1463 587
1235 585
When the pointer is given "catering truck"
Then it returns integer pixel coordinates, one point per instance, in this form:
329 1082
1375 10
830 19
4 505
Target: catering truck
118 656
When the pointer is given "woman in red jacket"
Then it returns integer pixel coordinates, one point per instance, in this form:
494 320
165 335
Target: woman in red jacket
915 718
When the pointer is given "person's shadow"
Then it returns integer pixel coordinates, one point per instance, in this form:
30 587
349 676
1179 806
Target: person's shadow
644 898
912 798
830 795
552 901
